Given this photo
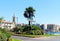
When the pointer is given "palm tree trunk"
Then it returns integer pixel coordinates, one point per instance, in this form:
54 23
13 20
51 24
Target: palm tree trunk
29 22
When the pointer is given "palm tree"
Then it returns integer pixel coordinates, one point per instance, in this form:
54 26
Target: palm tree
29 13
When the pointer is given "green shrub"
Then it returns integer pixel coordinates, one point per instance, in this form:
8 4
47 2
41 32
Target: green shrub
35 27
17 30
26 29
35 32
4 34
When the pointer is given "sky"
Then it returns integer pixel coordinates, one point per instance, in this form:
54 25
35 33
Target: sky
47 11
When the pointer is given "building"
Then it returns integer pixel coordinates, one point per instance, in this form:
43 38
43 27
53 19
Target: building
7 24
50 27
58 28
20 24
53 27
43 26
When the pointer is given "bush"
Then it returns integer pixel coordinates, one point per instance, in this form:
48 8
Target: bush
34 30
17 30
2 38
26 29
4 34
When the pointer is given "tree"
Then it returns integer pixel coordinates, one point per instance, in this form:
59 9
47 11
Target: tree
1 18
29 13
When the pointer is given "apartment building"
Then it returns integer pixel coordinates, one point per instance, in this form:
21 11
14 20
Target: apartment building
7 24
53 27
50 27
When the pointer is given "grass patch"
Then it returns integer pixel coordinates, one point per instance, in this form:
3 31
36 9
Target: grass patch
50 35
36 36
32 36
13 39
16 40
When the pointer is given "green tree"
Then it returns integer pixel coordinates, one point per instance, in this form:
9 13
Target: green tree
29 13
1 18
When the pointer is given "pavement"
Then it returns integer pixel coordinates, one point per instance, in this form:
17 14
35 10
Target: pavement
55 38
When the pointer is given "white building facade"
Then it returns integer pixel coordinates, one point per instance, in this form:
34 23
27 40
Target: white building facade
7 24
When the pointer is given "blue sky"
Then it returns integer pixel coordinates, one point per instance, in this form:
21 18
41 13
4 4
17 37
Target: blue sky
47 11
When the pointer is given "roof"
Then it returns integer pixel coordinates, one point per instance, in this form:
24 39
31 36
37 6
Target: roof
5 21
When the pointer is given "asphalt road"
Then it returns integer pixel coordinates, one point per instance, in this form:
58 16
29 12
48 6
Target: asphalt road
55 38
